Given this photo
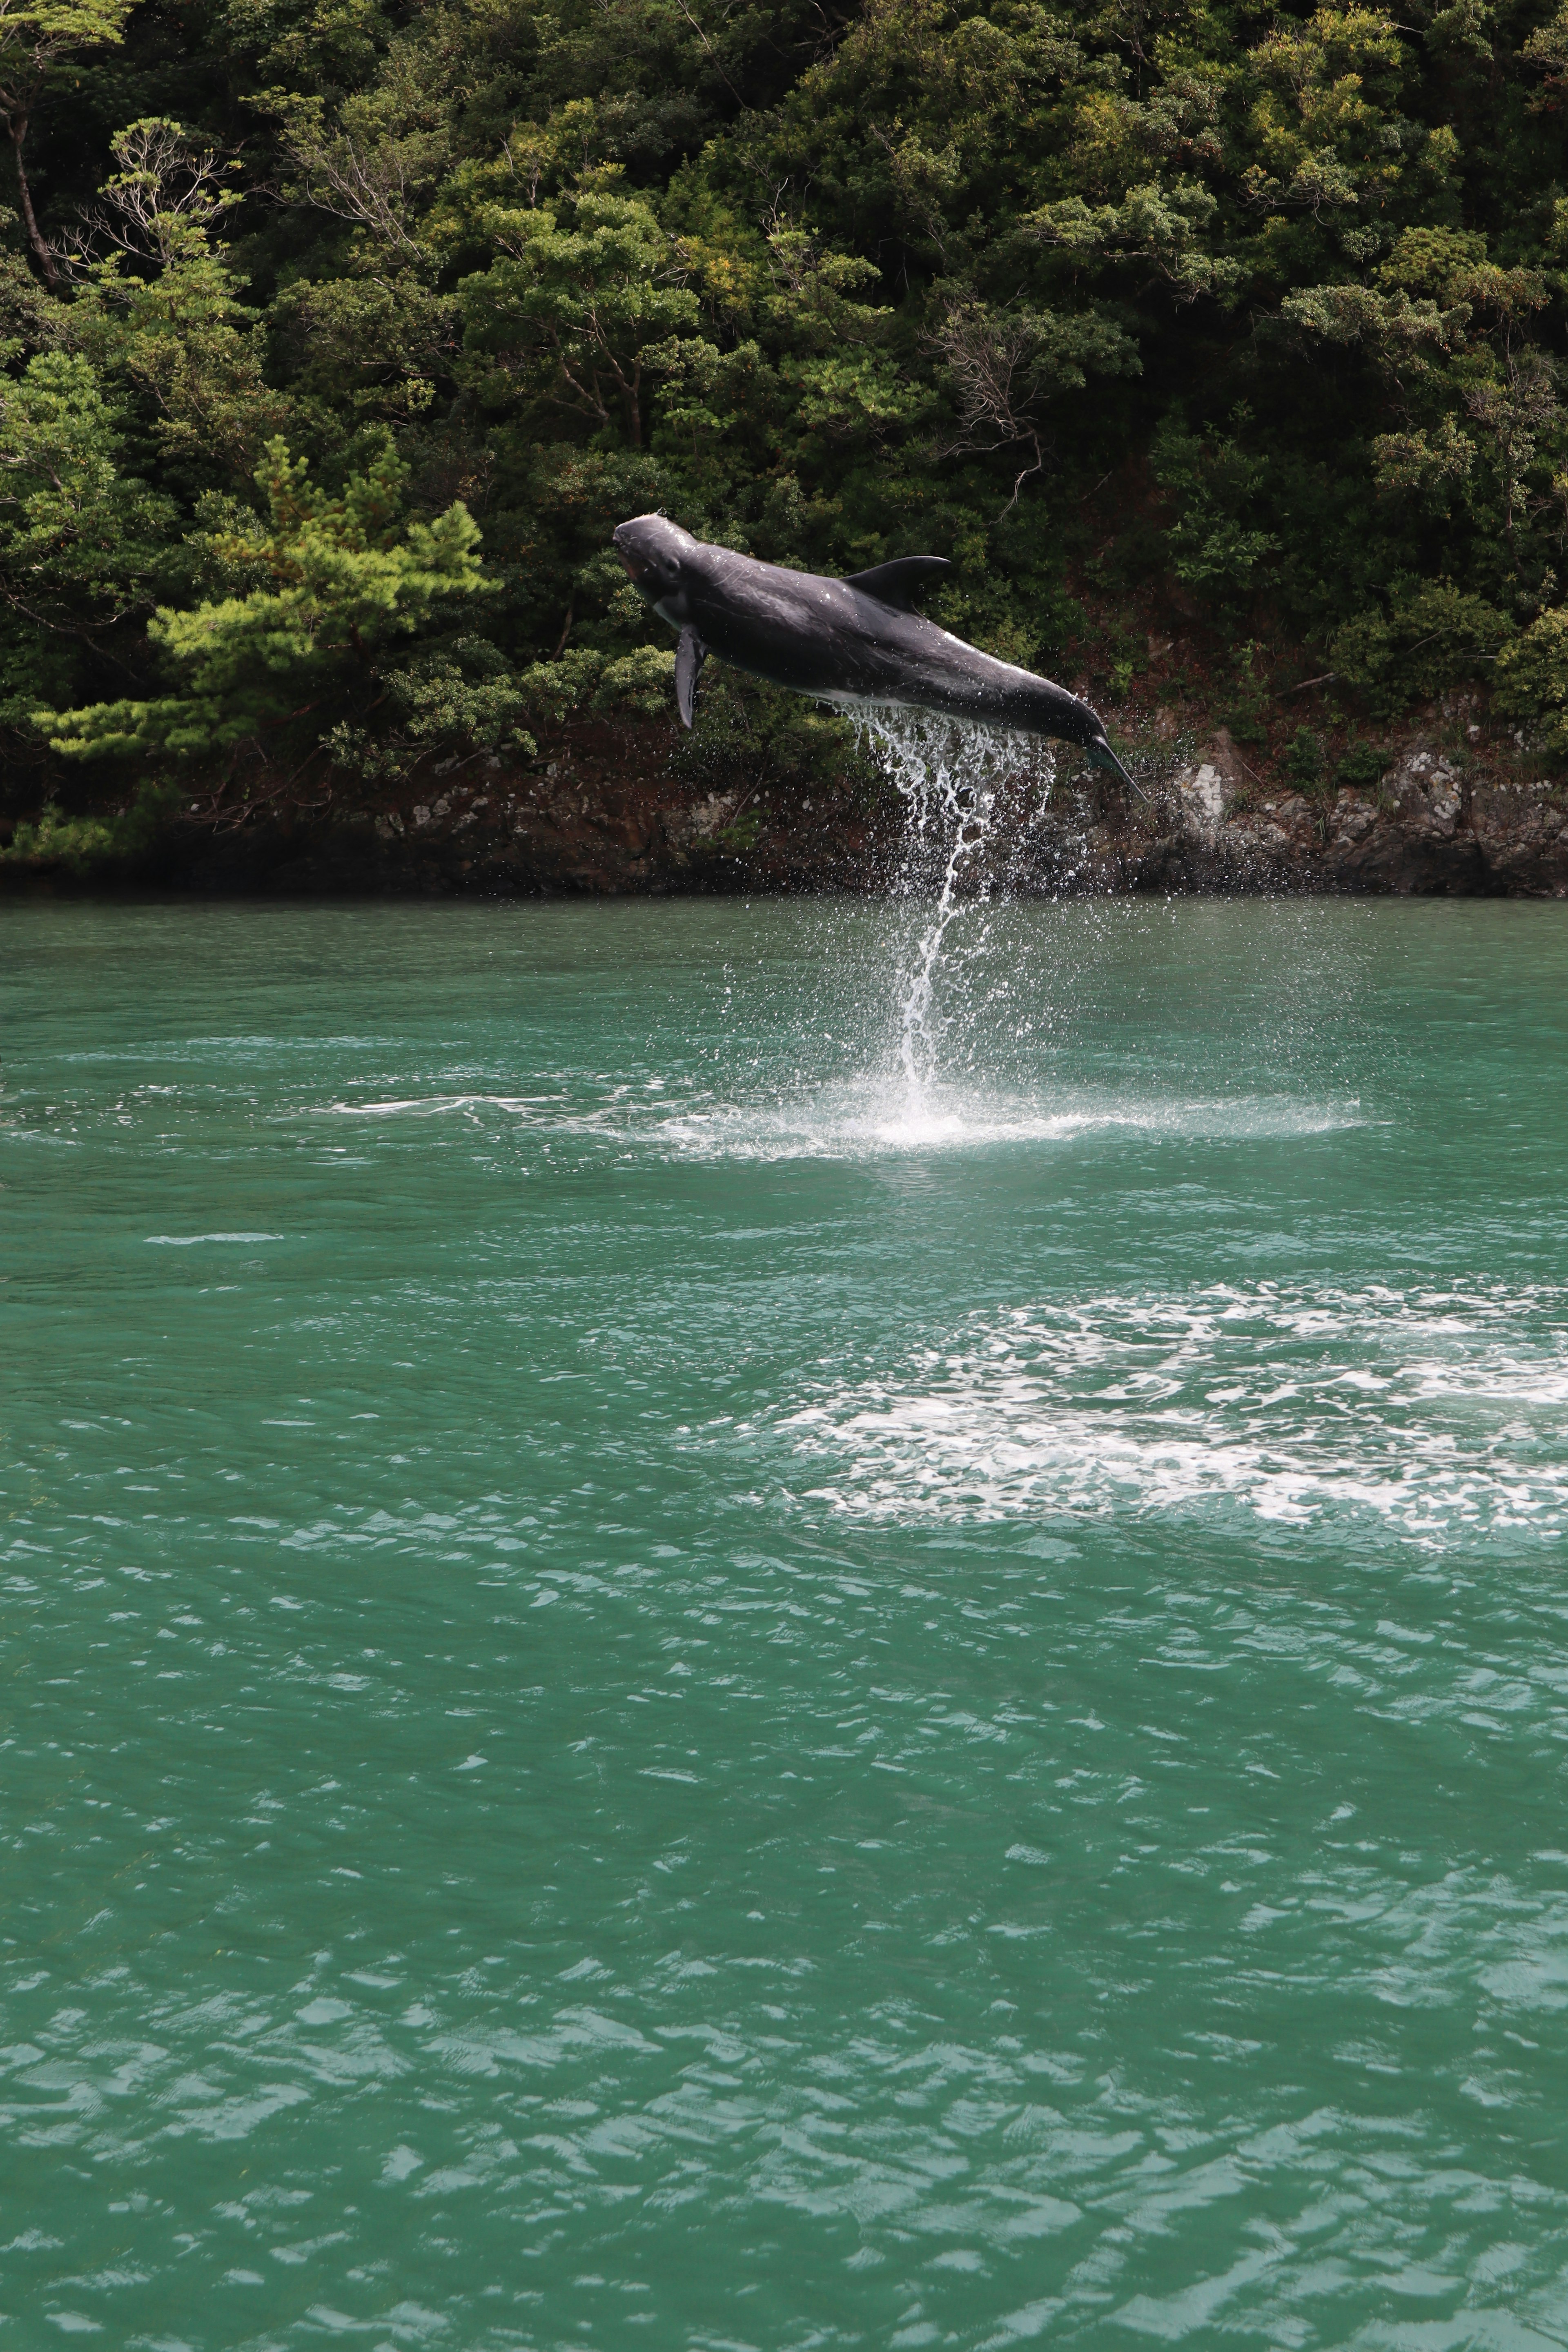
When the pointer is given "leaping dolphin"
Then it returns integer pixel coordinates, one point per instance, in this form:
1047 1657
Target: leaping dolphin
858 640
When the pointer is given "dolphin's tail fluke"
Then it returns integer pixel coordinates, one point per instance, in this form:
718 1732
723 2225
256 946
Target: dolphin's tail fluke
1102 756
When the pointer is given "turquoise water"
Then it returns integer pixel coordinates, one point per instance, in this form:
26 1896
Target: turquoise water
656 1697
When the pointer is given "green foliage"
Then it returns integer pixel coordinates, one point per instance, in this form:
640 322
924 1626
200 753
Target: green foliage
1264 313
39 41
85 546
1428 638
577 312
337 579
1247 712
80 842
774 738
464 697
1216 487
1533 681
1362 764
170 326
1304 760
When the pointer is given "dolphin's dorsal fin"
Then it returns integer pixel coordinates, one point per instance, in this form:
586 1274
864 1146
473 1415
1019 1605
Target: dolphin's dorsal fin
899 582
689 656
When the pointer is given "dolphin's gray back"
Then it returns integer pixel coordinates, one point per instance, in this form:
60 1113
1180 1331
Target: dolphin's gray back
826 638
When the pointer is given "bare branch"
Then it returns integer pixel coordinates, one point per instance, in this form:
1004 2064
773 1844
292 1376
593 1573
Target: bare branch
168 185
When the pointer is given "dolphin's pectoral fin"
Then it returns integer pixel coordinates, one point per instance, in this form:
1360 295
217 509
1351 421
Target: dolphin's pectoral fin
899 582
691 655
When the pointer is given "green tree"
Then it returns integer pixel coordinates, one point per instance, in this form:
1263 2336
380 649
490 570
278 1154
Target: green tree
158 303
583 306
37 39
336 583
86 546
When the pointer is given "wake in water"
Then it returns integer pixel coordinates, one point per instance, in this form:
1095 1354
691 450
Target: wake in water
955 782
1437 1413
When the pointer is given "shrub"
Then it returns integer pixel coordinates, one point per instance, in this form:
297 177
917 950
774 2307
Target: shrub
80 842
1532 680
1426 641
1362 764
1304 760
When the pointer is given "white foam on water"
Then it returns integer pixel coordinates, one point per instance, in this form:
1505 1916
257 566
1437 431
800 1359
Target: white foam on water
428 1105
190 1241
871 1115
870 1118
1441 1414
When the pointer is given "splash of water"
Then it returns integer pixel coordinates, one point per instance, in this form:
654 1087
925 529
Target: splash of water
954 781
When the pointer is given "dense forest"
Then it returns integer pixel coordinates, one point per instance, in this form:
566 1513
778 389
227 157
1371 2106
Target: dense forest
340 333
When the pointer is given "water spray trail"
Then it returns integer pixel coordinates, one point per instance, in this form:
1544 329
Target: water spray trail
951 775
917 1045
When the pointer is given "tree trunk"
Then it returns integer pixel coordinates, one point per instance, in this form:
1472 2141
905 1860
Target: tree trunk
19 128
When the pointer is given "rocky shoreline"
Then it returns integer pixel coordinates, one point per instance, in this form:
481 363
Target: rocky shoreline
1427 829
614 810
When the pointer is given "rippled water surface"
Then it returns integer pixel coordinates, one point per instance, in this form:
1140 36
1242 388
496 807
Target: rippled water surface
658 1696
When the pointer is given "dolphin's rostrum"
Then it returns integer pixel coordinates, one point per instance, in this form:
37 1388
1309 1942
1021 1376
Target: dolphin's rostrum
850 641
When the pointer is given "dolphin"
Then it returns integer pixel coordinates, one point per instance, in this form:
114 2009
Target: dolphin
858 640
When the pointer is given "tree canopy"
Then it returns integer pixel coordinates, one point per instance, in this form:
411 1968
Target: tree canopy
338 335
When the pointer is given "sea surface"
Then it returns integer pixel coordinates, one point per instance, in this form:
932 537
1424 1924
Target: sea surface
675 1680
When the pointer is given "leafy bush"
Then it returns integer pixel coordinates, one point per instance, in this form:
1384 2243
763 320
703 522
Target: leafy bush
1362 764
1304 760
1533 681
1246 711
1218 544
80 842
1427 640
